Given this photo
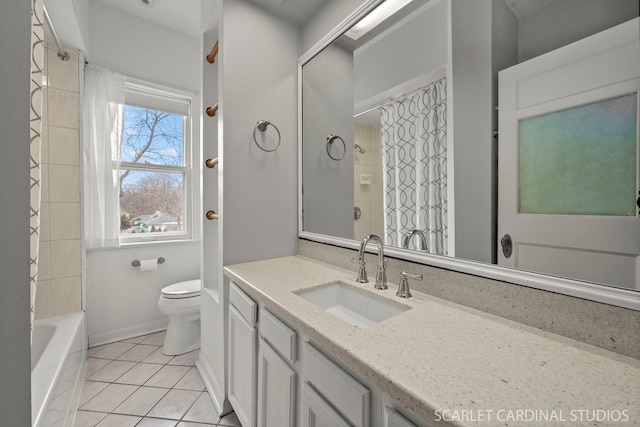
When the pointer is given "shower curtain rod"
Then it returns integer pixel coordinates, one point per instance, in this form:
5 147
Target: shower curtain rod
62 54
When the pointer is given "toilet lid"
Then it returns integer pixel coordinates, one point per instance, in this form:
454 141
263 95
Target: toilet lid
187 289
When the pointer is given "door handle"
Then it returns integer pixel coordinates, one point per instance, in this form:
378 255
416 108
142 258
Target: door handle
638 202
507 246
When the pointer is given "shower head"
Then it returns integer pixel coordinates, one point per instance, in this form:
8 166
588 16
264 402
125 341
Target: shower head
359 148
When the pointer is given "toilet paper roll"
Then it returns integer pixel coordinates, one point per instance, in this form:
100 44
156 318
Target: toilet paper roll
148 264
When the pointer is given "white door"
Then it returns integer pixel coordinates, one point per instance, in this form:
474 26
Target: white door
568 161
276 389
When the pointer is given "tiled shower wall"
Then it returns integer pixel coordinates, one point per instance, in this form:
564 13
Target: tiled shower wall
368 197
59 289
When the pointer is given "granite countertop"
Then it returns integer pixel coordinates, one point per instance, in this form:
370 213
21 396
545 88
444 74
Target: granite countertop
446 362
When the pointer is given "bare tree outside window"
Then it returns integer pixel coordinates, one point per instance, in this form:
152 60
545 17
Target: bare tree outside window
152 172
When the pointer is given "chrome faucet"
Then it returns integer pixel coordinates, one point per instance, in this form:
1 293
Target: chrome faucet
403 286
422 236
381 276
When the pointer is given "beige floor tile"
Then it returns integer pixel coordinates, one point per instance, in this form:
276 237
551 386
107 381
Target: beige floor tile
115 420
138 353
158 357
109 398
202 411
191 381
88 419
187 359
90 389
141 401
113 350
167 377
155 339
156 422
112 371
94 365
174 404
139 374
190 424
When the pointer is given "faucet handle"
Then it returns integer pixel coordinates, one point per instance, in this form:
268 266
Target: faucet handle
362 271
403 286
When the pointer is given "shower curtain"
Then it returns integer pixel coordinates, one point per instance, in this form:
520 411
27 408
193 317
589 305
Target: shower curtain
37 61
414 147
104 92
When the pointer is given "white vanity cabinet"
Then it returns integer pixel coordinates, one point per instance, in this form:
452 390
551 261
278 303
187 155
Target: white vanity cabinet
392 418
335 388
243 353
276 376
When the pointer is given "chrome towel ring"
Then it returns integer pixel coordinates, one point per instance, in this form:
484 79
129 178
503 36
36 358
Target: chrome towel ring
262 126
330 139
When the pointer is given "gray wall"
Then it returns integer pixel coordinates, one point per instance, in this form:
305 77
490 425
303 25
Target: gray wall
327 85
15 71
326 18
121 300
566 21
258 82
473 155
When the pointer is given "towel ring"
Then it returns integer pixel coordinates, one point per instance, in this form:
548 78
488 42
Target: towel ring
262 126
330 139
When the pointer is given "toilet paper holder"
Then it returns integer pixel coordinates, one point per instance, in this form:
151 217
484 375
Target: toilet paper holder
136 262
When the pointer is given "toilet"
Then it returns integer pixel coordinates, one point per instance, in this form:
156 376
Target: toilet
181 303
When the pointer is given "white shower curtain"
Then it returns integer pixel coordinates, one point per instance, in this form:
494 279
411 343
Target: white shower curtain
37 60
102 134
414 147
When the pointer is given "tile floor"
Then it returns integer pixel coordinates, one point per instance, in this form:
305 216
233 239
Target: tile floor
131 383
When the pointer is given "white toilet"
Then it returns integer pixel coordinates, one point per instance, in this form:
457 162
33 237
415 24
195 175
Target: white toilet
181 303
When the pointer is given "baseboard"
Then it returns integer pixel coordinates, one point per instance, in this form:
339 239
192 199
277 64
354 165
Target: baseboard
214 390
121 334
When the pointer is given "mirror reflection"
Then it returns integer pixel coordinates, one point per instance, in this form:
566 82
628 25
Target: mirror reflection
412 91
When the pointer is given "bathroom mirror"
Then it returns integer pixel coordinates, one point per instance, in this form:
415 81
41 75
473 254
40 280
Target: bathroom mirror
361 87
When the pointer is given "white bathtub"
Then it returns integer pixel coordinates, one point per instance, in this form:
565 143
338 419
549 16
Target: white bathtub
58 362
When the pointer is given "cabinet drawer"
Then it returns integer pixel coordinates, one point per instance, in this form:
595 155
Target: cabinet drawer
345 393
281 337
245 305
393 418
317 412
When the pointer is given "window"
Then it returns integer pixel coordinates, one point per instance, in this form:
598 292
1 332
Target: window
155 172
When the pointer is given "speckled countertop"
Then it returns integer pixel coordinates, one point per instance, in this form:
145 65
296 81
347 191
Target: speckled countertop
444 361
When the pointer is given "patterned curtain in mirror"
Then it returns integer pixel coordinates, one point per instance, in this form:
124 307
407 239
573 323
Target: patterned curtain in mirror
414 157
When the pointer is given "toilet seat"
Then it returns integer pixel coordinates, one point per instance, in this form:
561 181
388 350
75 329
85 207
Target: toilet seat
181 290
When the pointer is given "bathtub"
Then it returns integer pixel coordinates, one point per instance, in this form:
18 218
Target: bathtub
58 362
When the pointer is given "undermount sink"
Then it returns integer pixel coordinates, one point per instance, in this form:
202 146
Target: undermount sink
358 307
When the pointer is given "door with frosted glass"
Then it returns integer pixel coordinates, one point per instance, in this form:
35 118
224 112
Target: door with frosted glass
568 161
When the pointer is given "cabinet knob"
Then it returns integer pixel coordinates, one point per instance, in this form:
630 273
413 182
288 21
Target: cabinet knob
211 163
211 215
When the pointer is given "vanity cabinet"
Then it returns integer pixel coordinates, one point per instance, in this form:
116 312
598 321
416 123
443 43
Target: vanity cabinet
279 378
243 353
392 418
276 375
337 388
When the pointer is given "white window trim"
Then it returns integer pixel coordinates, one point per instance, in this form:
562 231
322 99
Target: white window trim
190 140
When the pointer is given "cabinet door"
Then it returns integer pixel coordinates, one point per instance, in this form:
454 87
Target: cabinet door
276 389
318 413
393 418
242 367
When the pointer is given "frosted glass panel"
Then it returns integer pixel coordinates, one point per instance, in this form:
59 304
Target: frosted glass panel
580 161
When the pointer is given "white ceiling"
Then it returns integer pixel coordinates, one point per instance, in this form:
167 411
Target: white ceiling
179 15
522 8
184 15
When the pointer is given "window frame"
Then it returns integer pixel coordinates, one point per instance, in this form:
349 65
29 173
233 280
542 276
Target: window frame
179 96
